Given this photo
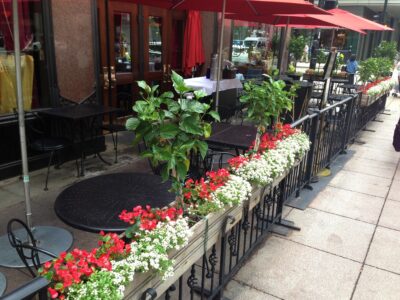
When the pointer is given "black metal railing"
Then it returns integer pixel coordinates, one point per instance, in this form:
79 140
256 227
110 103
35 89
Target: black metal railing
330 131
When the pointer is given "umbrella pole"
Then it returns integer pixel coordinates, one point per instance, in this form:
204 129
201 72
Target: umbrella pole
21 115
221 41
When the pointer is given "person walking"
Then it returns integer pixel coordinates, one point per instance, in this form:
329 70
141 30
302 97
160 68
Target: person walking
305 54
351 68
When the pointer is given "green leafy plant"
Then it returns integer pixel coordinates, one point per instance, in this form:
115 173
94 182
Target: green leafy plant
321 58
266 102
374 67
171 128
296 47
386 49
339 62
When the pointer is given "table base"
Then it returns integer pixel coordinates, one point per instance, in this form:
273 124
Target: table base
52 239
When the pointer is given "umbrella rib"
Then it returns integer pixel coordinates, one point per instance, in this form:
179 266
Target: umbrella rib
177 4
252 7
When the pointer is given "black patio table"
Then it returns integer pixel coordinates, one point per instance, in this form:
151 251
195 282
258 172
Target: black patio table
94 204
238 137
82 114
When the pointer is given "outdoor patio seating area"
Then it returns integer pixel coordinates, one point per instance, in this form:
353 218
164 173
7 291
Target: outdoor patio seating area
224 149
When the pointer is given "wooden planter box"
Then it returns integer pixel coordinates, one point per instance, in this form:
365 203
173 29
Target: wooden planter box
200 240
367 100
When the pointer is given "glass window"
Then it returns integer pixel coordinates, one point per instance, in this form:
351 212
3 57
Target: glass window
155 44
251 45
122 33
33 64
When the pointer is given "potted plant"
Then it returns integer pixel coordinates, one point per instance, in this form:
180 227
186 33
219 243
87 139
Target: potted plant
266 102
386 49
171 128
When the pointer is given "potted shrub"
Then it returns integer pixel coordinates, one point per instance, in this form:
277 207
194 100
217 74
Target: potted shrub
266 102
171 128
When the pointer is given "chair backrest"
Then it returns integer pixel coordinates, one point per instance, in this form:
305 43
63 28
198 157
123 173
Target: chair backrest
23 241
215 160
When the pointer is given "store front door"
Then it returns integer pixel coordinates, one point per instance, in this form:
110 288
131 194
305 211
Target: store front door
137 43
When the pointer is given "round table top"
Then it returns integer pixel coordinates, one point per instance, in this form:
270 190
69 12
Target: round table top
94 204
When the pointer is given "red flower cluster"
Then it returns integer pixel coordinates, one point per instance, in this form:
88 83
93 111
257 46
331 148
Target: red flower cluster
365 88
238 161
268 140
77 265
200 190
147 218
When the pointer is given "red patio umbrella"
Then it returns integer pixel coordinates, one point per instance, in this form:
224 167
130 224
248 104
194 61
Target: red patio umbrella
360 22
298 21
193 52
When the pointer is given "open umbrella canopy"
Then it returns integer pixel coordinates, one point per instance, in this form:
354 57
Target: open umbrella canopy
193 52
298 21
247 7
361 22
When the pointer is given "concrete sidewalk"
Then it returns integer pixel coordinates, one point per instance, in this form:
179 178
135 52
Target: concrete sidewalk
349 243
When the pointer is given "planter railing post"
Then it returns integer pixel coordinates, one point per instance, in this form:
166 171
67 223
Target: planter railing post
311 153
348 122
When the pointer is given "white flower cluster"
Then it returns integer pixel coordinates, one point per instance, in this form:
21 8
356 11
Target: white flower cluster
293 147
273 163
101 284
149 252
233 192
381 88
256 171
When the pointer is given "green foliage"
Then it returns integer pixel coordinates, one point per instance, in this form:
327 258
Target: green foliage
291 69
275 44
296 46
171 129
321 58
266 101
339 62
374 67
386 50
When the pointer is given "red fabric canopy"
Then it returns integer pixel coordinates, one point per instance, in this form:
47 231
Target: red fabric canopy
193 52
298 21
358 21
247 7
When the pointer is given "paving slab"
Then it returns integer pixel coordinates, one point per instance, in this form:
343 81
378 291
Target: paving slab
394 192
289 270
384 252
391 215
371 167
238 291
335 234
349 204
377 284
362 183
375 154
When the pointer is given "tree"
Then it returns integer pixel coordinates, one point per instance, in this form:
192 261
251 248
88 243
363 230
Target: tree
386 49
296 47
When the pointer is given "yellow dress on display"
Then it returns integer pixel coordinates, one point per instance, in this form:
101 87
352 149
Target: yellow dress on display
8 92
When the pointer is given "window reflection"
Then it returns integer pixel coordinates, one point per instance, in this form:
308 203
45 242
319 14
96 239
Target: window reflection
155 44
250 44
34 71
122 45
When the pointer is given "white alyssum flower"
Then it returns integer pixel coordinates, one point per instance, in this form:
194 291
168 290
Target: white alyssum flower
233 192
256 171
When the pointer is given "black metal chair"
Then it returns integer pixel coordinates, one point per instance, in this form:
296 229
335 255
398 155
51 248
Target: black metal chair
28 251
39 139
117 124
